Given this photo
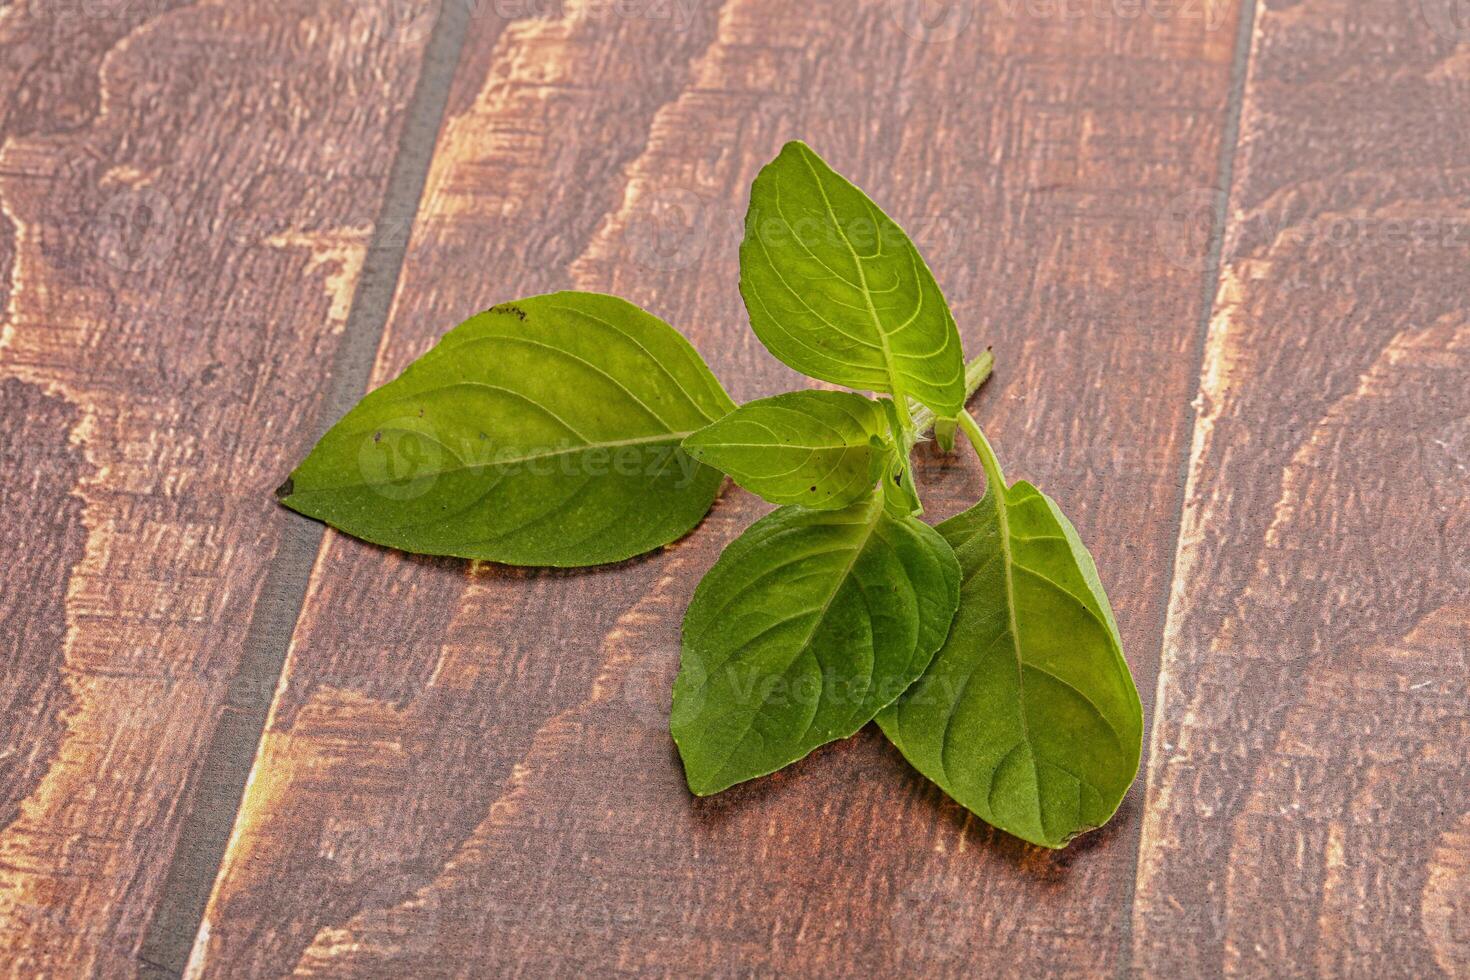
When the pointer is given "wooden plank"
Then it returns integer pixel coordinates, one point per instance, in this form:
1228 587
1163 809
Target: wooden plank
1309 789
186 196
469 769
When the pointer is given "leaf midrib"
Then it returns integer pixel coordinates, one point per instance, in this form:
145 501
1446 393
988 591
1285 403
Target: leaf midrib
674 437
895 388
793 446
875 515
1004 522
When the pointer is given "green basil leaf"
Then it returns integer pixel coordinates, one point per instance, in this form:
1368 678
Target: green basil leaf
1028 715
810 622
836 290
820 449
541 432
900 495
944 432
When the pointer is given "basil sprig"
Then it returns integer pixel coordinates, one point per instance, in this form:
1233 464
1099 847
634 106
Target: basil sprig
576 429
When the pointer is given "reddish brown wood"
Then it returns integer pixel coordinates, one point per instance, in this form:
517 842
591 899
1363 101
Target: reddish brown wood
468 771
1309 791
186 194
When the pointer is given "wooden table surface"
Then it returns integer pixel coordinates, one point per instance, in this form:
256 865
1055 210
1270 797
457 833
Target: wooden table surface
1221 249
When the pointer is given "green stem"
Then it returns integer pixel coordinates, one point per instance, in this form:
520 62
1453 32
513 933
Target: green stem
915 420
905 412
993 474
976 373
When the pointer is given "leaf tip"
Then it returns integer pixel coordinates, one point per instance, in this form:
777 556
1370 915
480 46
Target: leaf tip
944 433
801 149
699 785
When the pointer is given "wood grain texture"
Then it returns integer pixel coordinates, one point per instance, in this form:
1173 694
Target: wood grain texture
1309 787
186 193
468 770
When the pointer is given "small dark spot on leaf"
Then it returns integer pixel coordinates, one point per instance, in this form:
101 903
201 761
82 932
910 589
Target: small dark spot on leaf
286 489
510 310
377 437
421 413
814 489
